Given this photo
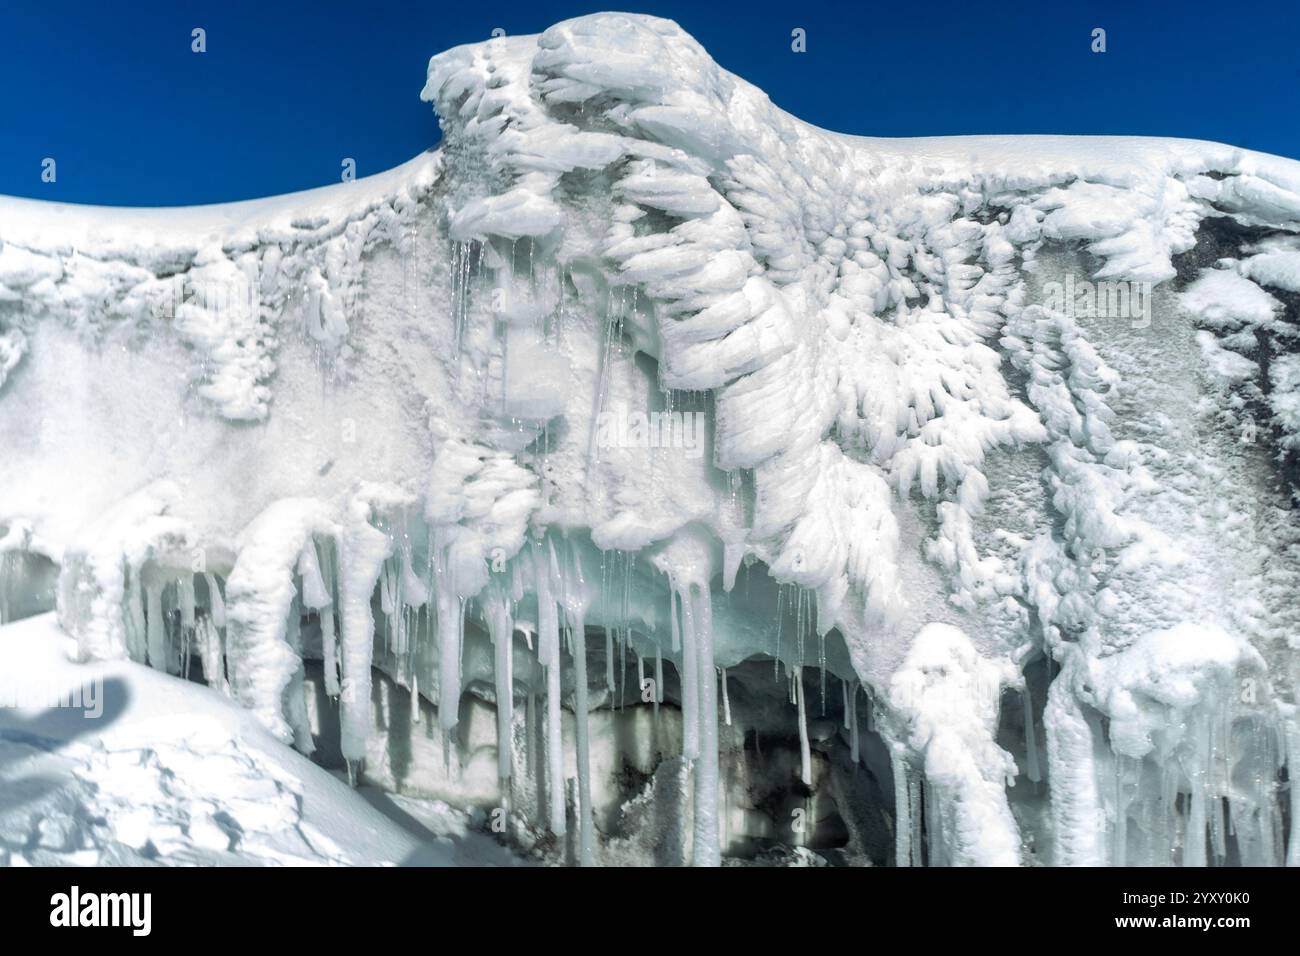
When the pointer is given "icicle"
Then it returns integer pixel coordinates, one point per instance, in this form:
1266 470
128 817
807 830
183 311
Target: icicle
185 599
1032 767
548 632
799 625
609 664
391 602
1197 772
821 663
1079 835
902 809
586 825
364 549
776 658
154 622
415 698
1218 838
805 756
386 604
707 851
412 590
296 704
1121 811
211 655
933 830
317 594
1266 837
622 668
726 699
659 678
216 606
690 679
675 626
330 650
136 628
530 732
501 629
855 745
450 636
1291 728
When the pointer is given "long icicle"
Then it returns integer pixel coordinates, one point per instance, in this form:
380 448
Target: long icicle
502 629
328 628
363 551
450 633
574 597
154 627
805 756
855 744
586 835
707 851
609 664
902 810
1032 767
690 679
659 678
548 645
1291 727
214 663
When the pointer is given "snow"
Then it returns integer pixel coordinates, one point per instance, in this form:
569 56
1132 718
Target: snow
389 426
1280 269
174 773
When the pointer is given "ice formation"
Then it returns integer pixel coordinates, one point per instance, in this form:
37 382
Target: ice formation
683 481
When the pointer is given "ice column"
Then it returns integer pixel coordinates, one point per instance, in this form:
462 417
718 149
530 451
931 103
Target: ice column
156 633
902 808
585 821
548 644
805 754
707 850
502 632
450 625
363 553
1078 823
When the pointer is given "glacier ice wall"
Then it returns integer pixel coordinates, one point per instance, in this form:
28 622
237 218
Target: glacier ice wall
933 496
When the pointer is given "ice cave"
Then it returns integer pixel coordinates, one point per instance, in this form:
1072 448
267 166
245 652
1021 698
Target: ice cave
645 476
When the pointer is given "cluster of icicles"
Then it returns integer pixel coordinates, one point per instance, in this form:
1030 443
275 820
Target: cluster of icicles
400 609
378 601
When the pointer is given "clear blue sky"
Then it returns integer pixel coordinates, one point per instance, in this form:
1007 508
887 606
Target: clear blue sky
113 92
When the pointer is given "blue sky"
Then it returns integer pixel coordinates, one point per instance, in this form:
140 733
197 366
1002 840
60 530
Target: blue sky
285 91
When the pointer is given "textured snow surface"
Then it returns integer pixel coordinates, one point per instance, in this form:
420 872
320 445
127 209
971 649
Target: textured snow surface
640 380
163 771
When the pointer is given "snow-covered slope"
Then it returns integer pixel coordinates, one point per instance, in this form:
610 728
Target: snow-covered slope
114 764
941 489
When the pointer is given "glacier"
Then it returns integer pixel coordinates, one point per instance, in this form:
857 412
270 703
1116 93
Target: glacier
676 482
